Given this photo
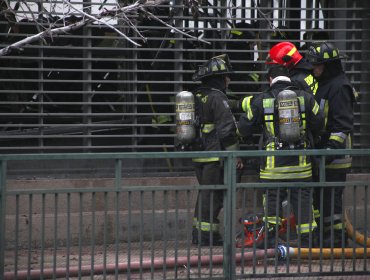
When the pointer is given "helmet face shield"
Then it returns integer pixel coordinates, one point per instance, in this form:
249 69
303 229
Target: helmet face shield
218 65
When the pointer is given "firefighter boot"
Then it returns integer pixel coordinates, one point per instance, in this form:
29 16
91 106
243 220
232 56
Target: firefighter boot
206 238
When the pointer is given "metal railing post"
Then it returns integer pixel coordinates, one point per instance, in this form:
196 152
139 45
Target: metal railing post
2 214
229 216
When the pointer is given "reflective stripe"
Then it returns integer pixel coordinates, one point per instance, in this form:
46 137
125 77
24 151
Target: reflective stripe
208 127
340 163
269 120
270 160
305 228
211 159
205 226
292 51
312 83
246 106
346 161
338 226
301 104
255 77
303 115
272 220
315 108
338 136
268 105
316 213
236 32
324 107
290 169
287 176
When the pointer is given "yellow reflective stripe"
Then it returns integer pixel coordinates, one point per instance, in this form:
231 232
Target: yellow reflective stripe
207 128
195 221
215 68
268 102
236 32
324 107
304 120
315 108
211 159
255 77
306 228
290 169
338 226
316 213
285 176
205 226
292 51
338 136
246 106
338 166
270 160
272 220
269 120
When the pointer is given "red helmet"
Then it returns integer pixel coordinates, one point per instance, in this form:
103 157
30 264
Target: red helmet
284 53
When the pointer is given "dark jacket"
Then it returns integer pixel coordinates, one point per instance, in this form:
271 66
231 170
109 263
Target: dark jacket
260 115
336 97
301 76
217 123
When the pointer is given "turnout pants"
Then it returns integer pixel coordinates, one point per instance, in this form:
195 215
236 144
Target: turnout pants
209 202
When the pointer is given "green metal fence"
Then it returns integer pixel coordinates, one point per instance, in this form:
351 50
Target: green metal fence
140 228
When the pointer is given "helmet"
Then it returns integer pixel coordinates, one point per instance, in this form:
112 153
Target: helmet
241 31
322 52
284 53
217 65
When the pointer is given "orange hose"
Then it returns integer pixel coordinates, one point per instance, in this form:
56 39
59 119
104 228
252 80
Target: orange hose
327 253
359 237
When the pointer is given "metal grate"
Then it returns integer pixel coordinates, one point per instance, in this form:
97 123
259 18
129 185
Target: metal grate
91 90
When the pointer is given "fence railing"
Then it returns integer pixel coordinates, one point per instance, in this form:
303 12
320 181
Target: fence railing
141 227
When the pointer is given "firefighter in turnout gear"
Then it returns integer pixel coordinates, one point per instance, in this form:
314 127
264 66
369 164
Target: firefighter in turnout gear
287 117
300 70
336 97
216 132
240 47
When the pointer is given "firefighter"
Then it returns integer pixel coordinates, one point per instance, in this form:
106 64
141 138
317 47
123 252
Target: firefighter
217 131
336 97
240 47
300 70
286 116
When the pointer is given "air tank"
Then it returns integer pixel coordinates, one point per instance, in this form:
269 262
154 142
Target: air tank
289 118
185 117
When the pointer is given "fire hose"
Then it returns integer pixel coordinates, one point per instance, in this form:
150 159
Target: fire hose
359 237
282 252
